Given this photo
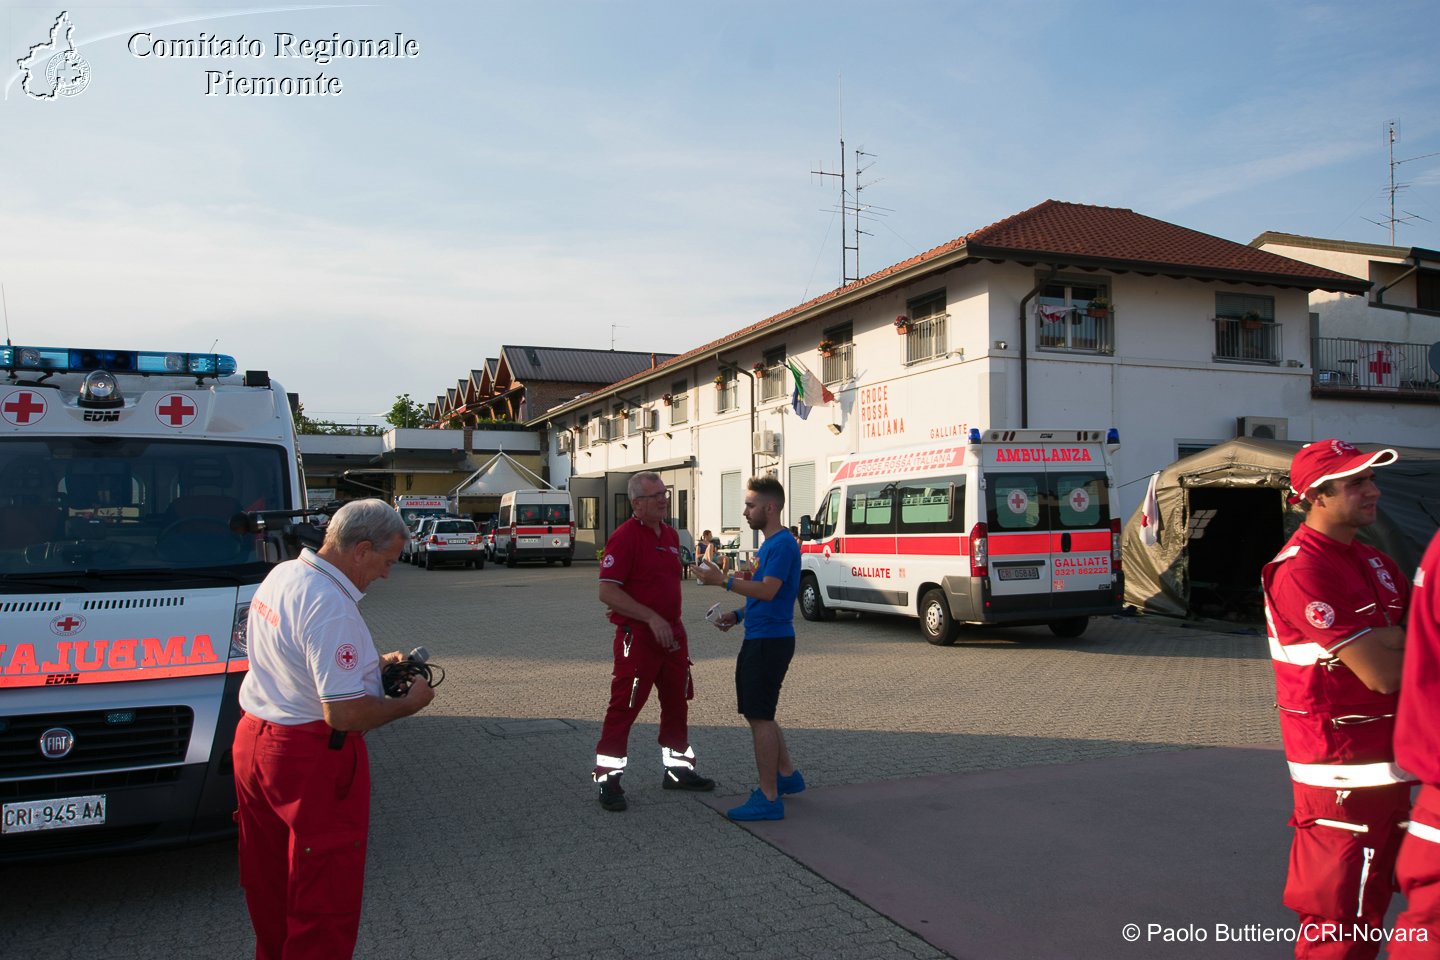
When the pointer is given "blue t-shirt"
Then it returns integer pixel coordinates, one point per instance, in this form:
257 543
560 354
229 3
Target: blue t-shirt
779 557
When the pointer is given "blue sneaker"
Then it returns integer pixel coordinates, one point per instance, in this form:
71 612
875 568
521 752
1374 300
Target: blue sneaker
758 808
795 783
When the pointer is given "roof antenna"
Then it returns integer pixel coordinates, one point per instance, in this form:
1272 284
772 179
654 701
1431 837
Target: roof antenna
6 304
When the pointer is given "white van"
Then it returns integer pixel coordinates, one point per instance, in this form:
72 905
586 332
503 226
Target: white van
1006 527
535 525
131 483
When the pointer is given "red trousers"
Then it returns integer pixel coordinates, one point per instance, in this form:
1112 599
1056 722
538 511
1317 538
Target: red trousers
1342 866
304 815
1418 870
641 664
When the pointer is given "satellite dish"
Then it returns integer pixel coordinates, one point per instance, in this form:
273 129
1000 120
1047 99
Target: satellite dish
1435 358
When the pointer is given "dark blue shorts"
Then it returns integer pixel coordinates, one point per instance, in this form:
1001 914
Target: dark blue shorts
759 671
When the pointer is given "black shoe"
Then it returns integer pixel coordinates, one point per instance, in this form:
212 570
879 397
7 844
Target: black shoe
612 795
683 778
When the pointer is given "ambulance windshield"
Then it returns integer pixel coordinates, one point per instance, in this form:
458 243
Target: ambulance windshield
74 507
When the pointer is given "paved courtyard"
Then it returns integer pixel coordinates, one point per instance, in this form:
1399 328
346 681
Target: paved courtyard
487 841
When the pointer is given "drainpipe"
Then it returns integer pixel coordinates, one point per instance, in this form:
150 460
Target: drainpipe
1025 350
1380 293
754 535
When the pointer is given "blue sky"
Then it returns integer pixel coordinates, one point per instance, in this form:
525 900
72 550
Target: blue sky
563 172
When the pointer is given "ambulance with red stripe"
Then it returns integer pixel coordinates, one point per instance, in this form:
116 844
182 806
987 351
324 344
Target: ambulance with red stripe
535 525
1002 527
130 484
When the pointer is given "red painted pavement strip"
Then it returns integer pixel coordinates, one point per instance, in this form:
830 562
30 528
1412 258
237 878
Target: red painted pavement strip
1052 861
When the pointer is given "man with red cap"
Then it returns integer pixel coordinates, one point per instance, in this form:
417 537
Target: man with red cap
1417 747
1335 609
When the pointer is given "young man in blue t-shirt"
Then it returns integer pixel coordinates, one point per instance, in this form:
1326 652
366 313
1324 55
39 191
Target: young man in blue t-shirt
769 618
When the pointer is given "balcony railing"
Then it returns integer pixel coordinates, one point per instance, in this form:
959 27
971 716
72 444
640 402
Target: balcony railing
926 339
839 365
1075 330
774 382
1247 341
1378 367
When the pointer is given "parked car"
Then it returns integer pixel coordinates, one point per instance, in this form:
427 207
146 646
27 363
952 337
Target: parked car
417 539
487 537
407 549
451 540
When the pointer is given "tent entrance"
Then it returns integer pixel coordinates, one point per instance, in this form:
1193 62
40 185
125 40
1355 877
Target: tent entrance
1233 533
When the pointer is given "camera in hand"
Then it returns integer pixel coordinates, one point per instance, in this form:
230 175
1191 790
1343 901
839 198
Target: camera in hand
397 677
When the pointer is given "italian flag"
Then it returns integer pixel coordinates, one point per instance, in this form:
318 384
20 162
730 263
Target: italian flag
808 391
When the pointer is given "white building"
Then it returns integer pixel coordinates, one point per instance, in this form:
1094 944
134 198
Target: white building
1063 315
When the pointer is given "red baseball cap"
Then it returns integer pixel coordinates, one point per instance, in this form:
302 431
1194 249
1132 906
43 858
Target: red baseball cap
1328 459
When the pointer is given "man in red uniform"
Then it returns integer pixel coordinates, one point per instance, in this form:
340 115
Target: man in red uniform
1335 608
640 583
1417 749
302 774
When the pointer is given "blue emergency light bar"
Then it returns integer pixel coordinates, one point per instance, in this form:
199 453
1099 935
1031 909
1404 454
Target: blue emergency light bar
144 362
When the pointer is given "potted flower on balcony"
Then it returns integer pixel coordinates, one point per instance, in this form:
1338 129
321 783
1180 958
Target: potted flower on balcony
826 346
719 381
667 400
758 369
1098 307
1251 321
902 324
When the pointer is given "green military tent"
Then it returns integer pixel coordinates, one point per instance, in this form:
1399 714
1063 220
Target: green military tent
1222 515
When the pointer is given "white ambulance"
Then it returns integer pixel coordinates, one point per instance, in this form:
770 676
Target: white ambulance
133 489
535 525
1003 527
414 507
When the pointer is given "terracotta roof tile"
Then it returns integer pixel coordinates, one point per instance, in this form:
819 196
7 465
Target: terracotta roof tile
1106 237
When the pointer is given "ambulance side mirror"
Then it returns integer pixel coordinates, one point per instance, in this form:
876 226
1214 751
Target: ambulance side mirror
807 530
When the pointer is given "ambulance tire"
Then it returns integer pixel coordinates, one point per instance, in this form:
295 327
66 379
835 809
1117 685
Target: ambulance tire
936 623
565 562
510 560
812 602
1070 627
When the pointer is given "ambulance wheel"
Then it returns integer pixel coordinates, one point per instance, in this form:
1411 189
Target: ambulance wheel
565 562
510 559
812 604
935 621
1070 627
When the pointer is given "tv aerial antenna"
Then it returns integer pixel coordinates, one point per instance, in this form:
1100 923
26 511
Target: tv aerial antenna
1392 134
851 208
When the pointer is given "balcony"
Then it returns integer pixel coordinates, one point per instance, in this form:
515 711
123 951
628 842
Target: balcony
838 363
1075 330
1372 369
926 338
1247 341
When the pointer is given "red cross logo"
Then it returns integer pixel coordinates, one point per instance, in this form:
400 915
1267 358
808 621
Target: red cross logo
23 407
1018 501
1380 366
66 625
1080 500
346 656
175 411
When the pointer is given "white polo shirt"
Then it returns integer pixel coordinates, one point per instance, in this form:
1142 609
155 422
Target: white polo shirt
308 644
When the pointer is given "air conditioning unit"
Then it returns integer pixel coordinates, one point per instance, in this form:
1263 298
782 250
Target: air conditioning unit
764 441
650 420
1262 428
562 441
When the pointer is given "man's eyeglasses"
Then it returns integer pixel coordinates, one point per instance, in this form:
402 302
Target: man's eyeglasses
648 496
